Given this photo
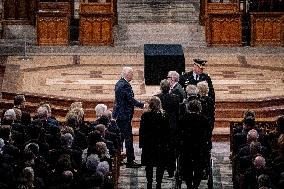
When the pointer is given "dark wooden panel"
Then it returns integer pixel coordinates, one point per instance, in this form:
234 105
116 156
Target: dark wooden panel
53 22
53 30
19 11
267 29
222 8
224 29
96 23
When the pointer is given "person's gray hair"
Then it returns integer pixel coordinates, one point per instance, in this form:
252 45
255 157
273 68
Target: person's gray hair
10 114
48 107
102 148
100 109
203 88
191 90
67 139
165 86
174 75
194 106
92 162
125 71
103 167
42 112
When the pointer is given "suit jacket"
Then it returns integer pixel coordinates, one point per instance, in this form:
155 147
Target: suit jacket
188 79
124 101
170 103
179 91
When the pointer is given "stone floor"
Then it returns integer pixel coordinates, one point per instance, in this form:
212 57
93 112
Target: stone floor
222 171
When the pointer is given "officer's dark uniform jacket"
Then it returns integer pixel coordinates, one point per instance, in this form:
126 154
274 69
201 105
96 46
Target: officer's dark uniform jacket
188 79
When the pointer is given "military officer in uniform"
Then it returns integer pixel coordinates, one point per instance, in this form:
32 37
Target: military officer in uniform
197 75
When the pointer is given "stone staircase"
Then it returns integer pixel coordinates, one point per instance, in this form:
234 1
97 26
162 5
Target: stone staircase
162 22
156 11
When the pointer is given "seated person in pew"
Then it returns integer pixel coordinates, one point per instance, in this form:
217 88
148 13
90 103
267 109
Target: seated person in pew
240 136
274 135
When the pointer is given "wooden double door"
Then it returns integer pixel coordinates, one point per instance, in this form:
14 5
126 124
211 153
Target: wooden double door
20 11
24 11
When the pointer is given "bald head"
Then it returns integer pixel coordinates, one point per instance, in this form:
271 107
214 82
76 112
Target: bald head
252 135
259 162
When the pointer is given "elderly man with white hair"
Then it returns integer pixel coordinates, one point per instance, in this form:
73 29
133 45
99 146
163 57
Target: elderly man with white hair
175 87
123 112
100 109
9 117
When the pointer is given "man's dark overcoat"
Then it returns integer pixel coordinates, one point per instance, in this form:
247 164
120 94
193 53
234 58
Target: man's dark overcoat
194 134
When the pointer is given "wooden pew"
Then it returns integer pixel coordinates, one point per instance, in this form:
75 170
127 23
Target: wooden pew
96 23
53 22
267 28
223 24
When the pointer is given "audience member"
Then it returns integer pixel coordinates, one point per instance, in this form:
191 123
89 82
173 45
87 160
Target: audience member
75 119
274 135
51 120
9 117
22 116
100 110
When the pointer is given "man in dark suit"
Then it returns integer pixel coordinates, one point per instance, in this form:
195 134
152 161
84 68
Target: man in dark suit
196 75
175 87
170 103
123 112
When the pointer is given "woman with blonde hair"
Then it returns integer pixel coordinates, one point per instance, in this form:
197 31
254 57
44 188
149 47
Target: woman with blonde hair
154 137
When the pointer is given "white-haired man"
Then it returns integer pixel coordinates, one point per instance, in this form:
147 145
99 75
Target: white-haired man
123 112
175 87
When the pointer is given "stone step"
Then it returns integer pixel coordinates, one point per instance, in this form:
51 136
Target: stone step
139 34
157 12
148 13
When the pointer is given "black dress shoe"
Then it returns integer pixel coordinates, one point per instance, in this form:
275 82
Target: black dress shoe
132 164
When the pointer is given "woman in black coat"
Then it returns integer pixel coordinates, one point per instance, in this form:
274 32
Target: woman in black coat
154 134
195 137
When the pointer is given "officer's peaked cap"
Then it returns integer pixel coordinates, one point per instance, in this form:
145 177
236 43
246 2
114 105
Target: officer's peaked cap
200 62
